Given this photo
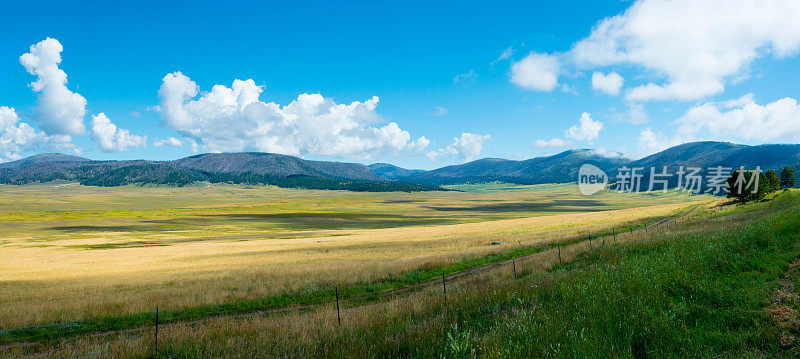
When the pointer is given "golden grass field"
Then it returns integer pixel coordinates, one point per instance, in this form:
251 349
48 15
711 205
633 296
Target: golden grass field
73 253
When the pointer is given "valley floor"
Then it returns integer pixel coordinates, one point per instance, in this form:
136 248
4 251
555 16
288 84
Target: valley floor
692 287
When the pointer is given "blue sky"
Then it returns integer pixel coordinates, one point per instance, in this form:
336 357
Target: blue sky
475 79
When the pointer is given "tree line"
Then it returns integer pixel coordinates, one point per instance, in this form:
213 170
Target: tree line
743 186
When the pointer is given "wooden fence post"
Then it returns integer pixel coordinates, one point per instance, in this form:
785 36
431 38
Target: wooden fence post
444 286
514 263
559 255
156 337
338 315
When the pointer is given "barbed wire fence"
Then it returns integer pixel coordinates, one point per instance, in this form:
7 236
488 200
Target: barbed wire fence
87 352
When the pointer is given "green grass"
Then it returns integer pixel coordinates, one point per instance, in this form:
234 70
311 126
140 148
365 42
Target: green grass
700 293
699 296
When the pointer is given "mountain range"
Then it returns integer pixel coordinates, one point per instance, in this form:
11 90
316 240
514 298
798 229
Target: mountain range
290 171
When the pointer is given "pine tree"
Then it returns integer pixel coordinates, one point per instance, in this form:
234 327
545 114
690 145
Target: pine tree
774 181
787 178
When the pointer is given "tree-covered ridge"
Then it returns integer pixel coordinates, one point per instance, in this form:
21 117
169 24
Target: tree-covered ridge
112 173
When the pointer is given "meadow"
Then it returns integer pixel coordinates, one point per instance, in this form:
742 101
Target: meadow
73 252
718 282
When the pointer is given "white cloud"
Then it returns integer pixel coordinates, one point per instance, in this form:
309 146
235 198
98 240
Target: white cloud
552 143
651 142
742 119
234 119
468 146
695 45
419 144
505 55
18 138
636 114
602 151
59 111
586 130
172 141
536 72
608 84
466 78
440 111
110 138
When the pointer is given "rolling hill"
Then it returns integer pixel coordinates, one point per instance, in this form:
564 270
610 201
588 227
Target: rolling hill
290 171
559 168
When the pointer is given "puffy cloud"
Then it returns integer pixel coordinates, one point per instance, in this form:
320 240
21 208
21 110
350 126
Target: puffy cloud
59 110
466 78
651 142
467 147
695 45
234 119
552 143
536 72
742 119
419 144
608 84
18 138
172 141
586 130
110 138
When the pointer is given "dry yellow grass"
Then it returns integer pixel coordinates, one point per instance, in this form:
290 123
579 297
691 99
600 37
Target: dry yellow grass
303 334
59 283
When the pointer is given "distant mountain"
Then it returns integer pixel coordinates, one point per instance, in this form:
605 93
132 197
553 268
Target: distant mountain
709 154
43 158
249 168
275 164
559 168
289 171
389 171
699 154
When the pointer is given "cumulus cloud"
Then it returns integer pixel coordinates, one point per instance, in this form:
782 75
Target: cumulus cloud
234 119
59 111
18 138
536 72
608 84
467 147
651 142
587 129
419 144
112 139
695 45
552 143
172 141
743 119
738 120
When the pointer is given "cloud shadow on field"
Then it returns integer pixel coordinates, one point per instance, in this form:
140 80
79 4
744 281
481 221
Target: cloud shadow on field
556 206
121 228
310 220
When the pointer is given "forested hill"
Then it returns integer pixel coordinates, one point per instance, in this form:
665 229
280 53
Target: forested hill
294 172
242 168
